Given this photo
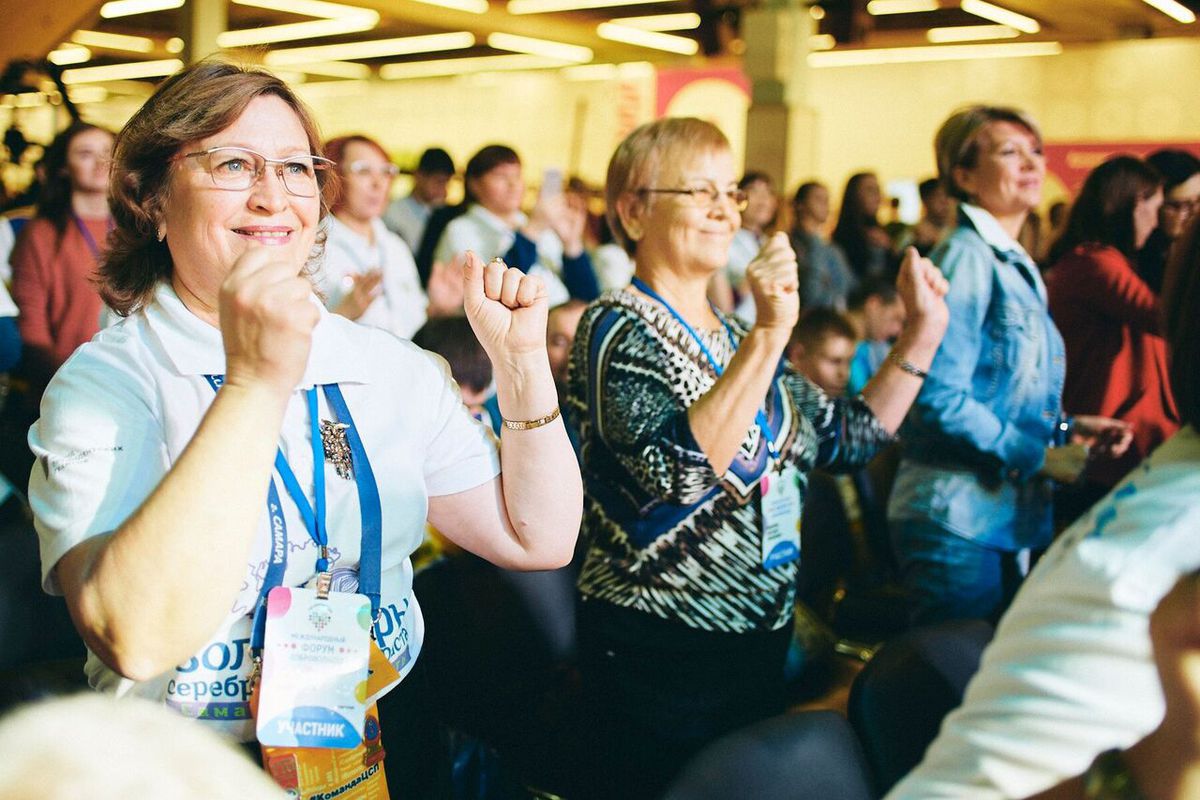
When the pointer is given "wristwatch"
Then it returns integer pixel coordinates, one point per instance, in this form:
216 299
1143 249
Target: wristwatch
1108 778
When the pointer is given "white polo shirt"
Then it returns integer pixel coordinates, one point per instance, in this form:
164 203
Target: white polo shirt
488 236
400 306
121 410
1071 671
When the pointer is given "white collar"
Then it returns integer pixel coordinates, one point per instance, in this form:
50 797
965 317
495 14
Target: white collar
195 348
494 222
990 231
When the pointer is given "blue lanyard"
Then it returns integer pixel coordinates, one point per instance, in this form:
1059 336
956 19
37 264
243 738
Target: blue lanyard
760 418
371 541
87 235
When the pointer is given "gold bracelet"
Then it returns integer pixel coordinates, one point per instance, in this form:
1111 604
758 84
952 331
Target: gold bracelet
528 425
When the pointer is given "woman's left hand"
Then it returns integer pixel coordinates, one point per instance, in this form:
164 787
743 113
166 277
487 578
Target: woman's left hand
1102 436
923 289
506 308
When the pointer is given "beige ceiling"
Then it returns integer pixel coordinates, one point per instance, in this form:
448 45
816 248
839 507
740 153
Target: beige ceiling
34 28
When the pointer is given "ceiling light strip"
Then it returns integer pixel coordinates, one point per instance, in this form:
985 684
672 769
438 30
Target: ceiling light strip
113 41
446 67
970 33
1002 16
540 47
879 8
651 39
687 21
128 71
69 54
307 8
127 8
1174 10
951 52
377 48
298 30
469 6
547 6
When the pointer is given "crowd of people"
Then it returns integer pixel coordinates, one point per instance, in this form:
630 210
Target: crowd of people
213 303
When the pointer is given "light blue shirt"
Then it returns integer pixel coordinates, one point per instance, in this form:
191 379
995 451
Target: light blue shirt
975 438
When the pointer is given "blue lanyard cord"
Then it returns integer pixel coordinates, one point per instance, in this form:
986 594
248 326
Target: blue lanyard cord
760 418
371 540
87 235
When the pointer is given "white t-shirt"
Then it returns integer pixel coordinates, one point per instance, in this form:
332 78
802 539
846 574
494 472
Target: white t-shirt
121 410
488 236
8 240
400 306
1070 672
742 250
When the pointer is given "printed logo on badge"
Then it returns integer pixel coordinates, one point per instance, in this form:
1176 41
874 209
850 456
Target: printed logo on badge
319 615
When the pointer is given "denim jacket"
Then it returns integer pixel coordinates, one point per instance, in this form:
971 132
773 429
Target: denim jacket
976 435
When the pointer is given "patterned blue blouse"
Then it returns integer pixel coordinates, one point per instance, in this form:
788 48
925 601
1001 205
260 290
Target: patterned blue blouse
664 534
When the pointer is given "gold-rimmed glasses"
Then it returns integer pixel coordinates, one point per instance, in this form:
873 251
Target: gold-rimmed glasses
706 196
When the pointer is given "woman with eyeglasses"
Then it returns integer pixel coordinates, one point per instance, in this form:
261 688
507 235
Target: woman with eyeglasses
368 274
1111 321
231 438
1181 198
988 436
696 440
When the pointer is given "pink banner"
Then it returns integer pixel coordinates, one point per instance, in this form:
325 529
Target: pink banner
1070 162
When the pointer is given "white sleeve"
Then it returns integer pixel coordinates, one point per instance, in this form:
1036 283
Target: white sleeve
8 240
7 307
455 239
100 453
461 452
1070 672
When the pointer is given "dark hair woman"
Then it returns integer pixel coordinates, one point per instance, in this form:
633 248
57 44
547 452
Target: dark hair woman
858 232
55 259
1110 319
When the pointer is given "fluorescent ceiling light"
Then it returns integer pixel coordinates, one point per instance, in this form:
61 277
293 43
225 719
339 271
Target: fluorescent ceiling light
1174 10
546 6
880 7
821 41
971 33
69 54
470 6
652 39
950 52
118 72
444 67
127 8
540 47
174 45
336 69
113 41
990 11
307 8
687 21
298 30
376 48
334 89
79 95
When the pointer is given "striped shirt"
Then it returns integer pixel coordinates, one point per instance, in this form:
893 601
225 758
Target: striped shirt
665 534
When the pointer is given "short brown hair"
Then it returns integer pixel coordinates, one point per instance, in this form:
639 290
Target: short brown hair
335 150
1181 298
636 162
202 100
957 141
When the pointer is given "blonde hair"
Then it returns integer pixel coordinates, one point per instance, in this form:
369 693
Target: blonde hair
635 164
957 141
94 745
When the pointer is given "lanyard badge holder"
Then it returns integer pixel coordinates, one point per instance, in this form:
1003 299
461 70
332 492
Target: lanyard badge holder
312 646
779 481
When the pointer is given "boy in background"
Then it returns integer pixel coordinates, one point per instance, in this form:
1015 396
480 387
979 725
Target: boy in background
876 311
821 349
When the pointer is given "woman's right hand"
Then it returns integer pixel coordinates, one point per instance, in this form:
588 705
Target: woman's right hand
775 283
1066 463
363 291
267 319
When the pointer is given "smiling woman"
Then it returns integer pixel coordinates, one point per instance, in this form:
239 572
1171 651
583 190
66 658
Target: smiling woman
696 441
164 439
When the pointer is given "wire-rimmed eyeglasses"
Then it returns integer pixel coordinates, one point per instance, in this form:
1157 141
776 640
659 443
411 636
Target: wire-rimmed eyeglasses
706 196
237 168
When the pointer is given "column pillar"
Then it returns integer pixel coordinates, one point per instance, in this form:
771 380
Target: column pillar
201 22
780 123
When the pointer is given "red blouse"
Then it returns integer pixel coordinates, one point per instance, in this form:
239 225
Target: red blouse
1116 355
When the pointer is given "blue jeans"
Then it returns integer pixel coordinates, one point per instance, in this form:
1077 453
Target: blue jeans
950 577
